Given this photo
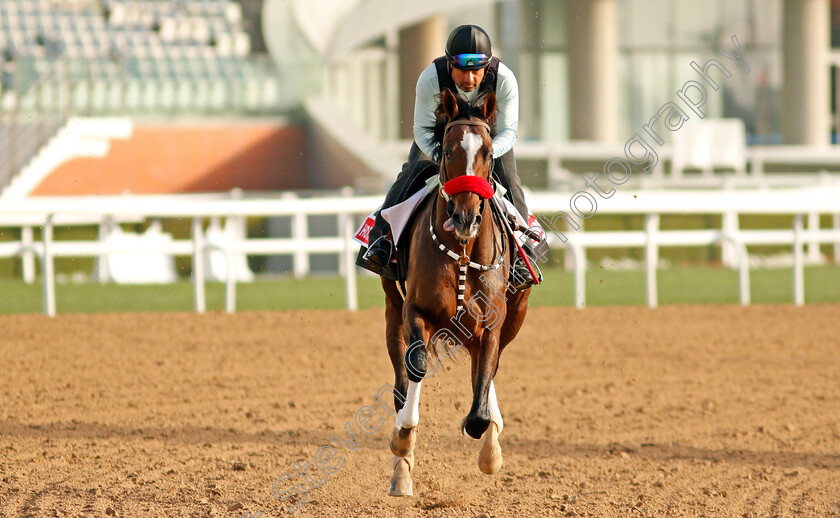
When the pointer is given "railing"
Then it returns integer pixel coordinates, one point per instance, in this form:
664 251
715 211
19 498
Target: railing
798 202
557 156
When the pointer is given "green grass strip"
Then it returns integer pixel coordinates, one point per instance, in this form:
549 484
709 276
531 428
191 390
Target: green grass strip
695 285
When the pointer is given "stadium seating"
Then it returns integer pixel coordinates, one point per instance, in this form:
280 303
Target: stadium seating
123 28
165 55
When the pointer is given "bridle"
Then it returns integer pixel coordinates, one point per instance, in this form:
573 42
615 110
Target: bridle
484 188
472 183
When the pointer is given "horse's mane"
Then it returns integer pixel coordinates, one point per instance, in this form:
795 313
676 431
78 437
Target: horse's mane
466 109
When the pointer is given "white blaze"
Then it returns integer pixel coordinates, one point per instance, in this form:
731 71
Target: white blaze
471 144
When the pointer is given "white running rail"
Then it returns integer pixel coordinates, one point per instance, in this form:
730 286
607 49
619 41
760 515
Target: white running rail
553 208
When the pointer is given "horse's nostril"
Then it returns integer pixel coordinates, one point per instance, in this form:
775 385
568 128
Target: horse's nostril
465 220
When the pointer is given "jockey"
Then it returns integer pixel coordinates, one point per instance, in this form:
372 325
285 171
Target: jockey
468 69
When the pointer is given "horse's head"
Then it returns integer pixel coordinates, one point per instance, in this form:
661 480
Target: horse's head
466 159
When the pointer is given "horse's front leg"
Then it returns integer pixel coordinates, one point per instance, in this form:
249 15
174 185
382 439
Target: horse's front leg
490 454
484 419
404 435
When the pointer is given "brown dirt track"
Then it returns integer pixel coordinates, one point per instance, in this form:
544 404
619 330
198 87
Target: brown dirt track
680 411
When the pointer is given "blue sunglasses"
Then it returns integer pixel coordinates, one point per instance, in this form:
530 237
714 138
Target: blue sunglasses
470 60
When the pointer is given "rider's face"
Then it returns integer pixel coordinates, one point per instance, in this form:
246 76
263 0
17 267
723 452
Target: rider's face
467 80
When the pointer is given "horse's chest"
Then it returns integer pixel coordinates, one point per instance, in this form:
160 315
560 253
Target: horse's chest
483 308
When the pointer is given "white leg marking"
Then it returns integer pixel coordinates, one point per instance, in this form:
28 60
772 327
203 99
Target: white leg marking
409 416
471 144
493 406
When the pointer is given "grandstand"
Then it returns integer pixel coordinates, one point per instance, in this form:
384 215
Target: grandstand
91 29
149 59
122 56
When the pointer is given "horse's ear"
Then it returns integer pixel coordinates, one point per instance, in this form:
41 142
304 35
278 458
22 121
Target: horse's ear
449 103
489 106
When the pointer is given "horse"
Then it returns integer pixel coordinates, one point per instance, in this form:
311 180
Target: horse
456 288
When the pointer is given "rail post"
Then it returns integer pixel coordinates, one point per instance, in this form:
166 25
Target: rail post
798 262
651 258
48 268
350 291
198 265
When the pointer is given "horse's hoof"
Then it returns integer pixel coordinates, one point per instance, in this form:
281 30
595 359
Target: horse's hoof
401 484
490 455
402 441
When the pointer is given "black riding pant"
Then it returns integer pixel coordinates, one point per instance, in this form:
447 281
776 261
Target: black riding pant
417 169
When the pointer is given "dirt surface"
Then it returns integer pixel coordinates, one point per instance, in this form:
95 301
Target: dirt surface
680 411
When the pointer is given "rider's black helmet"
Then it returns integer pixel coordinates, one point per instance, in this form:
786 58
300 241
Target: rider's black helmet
468 48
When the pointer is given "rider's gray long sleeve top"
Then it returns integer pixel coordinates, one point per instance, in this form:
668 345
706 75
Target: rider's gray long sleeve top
507 118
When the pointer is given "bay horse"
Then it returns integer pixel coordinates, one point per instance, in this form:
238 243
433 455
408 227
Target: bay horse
456 288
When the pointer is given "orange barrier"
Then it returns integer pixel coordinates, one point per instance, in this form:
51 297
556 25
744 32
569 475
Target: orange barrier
189 158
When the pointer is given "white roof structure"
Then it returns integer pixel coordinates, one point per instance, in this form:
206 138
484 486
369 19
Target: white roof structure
333 28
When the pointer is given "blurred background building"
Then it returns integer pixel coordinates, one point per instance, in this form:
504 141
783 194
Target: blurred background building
182 70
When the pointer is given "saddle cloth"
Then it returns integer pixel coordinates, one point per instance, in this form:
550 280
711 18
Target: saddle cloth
400 214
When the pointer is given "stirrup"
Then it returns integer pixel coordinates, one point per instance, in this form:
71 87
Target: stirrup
378 255
520 277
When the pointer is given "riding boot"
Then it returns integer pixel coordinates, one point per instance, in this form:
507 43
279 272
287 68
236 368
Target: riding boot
504 169
520 277
381 249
